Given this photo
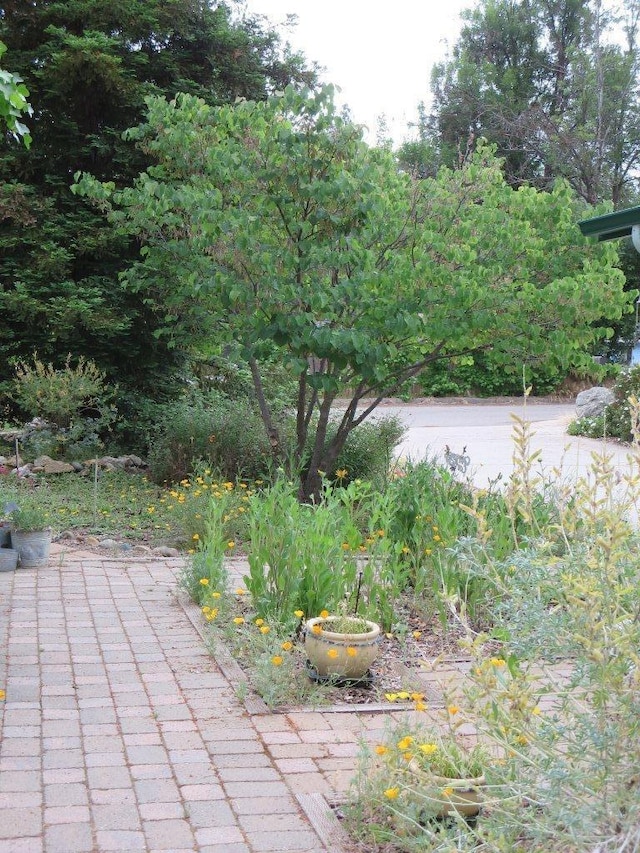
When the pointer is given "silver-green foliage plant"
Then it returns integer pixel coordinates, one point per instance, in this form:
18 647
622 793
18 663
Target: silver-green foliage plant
553 693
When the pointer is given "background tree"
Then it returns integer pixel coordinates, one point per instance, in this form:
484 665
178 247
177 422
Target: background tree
89 64
272 224
554 84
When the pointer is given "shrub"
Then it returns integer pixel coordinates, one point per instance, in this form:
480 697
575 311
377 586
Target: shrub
63 395
368 451
615 421
227 435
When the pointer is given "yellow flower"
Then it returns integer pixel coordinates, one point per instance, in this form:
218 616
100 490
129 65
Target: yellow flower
405 743
298 613
231 544
453 709
316 629
259 622
287 646
324 613
416 697
206 609
380 532
392 793
536 711
381 749
428 748
332 653
195 537
346 546
523 740
404 695
497 662
446 792
341 473
265 629
407 756
406 550
277 660
216 594
436 538
417 634
391 697
420 706
204 581
2 695
351 651
428 551
151 509
240 591
238 620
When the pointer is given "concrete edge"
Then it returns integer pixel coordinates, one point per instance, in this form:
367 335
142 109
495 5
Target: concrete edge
324 821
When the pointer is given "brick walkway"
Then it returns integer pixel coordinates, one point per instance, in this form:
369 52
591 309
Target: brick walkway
120 732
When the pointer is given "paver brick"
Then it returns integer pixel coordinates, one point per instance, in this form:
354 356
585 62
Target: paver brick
168 834
68 838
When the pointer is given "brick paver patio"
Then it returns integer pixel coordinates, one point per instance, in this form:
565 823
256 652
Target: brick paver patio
120 732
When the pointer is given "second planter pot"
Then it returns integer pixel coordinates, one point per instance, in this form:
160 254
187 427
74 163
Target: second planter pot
343 647
32 546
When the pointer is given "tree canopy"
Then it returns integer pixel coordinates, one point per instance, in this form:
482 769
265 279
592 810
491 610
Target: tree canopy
88 65
272 224
554 84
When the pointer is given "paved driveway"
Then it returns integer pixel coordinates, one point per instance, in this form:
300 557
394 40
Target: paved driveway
486 431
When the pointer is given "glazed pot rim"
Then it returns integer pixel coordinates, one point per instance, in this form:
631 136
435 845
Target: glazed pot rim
373 632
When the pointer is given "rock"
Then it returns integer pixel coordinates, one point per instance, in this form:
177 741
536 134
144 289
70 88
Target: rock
165 551
141 550
52 466
593 401
108 543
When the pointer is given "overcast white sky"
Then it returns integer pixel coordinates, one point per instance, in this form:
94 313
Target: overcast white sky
380 54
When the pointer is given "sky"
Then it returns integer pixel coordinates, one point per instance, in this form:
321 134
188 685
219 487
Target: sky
379 54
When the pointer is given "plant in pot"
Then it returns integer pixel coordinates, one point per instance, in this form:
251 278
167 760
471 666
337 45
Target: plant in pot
341 647
450 775
30 532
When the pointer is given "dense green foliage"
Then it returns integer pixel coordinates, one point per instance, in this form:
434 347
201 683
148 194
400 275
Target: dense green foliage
13 104
88 65
273 225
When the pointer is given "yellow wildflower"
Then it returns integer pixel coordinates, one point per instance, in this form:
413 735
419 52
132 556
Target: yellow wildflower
341 473
277 660
195 537
416 697
405 743
240 591
446 792
238 620
298 613
381 749
428 748
287 646
453 709
259 622
231 544
324 613
332 653
316 629
351 651
392 793
420 706
216 594
204 581
417 634
391 697
265 629
497 662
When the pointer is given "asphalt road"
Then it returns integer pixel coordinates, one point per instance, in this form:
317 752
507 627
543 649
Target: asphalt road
486 431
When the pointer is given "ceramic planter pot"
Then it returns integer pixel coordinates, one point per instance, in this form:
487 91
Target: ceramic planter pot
339 653
462 796
32 546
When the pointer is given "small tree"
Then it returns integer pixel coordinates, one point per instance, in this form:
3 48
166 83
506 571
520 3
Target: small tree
274 224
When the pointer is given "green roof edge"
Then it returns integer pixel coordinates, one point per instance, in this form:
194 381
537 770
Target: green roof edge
611 225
